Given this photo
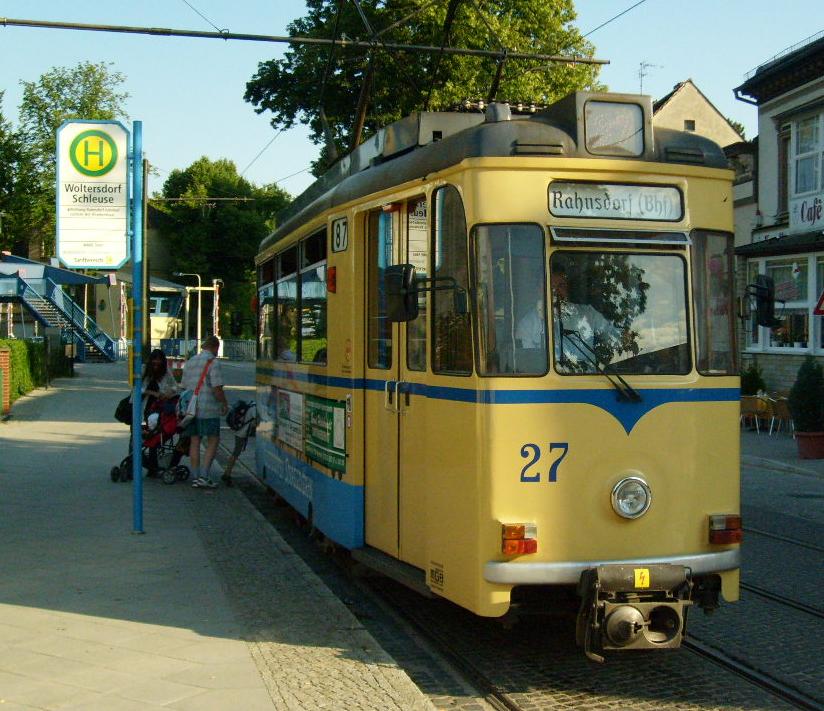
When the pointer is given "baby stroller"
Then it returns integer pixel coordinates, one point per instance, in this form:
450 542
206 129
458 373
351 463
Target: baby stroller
162 446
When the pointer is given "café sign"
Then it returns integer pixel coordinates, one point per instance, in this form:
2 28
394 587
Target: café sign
615 202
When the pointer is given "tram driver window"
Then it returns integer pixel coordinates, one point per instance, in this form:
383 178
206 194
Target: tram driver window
511 298
452 334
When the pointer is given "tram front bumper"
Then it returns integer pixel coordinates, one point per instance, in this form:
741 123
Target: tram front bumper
632 607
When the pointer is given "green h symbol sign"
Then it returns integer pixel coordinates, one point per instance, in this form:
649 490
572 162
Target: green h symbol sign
84 148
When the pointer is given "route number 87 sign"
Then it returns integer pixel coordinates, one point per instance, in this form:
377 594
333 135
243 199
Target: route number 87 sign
340 235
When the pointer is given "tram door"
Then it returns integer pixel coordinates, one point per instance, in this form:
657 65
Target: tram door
395 364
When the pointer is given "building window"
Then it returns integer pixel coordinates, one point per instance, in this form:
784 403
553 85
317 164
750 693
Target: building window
689 125
783 169
807 155
795 300
753 331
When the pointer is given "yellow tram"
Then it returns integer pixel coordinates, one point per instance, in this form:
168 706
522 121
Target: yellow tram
497 361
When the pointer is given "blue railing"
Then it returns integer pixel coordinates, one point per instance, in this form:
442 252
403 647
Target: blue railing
75 315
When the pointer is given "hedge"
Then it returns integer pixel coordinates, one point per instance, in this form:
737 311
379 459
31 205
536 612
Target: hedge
28 365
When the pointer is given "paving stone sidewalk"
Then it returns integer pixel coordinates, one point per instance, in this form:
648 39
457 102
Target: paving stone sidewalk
209 609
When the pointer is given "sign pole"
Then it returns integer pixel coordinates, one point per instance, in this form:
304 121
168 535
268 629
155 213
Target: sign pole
137 325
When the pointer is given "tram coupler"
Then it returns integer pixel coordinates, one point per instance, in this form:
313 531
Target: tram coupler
632 607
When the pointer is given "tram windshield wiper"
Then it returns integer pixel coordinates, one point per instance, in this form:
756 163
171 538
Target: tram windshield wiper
622 386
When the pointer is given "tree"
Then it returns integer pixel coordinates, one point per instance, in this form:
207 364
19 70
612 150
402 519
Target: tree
399 83
738 126
87 91
17 185
217 226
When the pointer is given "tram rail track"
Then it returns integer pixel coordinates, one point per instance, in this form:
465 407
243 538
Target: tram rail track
492 694
785 539
788 602
778 688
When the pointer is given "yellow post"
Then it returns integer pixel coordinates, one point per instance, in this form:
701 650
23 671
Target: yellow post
130 337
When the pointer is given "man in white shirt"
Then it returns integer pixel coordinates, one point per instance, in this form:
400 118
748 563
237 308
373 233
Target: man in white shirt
582 319
211 405
531 329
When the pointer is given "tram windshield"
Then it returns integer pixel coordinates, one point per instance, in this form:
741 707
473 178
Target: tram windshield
613 312
627 311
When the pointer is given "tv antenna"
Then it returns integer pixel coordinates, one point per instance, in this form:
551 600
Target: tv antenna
642 72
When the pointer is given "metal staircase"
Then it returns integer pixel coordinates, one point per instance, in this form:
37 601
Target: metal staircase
51 306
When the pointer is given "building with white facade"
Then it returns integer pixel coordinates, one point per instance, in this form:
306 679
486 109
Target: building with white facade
780 210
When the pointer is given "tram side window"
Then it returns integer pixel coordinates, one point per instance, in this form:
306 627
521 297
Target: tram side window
451 330
418 254
313 299
266 322
286 316
713 280
511 296
382 232
266 311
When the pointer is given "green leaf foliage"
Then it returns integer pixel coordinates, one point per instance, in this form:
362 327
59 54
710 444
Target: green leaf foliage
86 91
752 381
28 365
216 228
292 88
18 186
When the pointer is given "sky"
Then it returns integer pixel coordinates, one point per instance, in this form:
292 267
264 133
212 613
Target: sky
189 92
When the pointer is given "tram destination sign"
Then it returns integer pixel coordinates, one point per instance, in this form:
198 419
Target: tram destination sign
92 194
661 203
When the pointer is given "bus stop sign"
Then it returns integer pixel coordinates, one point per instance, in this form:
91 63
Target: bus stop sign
92 194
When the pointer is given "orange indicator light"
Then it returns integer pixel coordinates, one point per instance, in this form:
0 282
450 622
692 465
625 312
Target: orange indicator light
519 538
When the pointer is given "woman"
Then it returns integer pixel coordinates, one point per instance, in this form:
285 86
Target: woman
158 382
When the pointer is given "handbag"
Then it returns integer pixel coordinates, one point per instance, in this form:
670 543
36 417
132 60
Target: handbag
187 404
123 411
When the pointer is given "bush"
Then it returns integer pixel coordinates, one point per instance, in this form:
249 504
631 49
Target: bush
28 365
751 380
807 397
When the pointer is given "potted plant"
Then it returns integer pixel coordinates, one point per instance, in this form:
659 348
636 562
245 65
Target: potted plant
807 408
752 381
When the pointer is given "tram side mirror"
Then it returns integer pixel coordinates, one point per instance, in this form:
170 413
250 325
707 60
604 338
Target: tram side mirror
764 292
401 293
461 302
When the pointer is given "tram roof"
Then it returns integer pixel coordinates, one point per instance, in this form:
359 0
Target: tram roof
427 142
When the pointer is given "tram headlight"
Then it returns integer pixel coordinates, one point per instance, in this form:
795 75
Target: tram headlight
631 497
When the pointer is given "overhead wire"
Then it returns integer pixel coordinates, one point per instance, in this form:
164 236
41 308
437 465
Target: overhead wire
221 30
612 19
292 175
261 152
